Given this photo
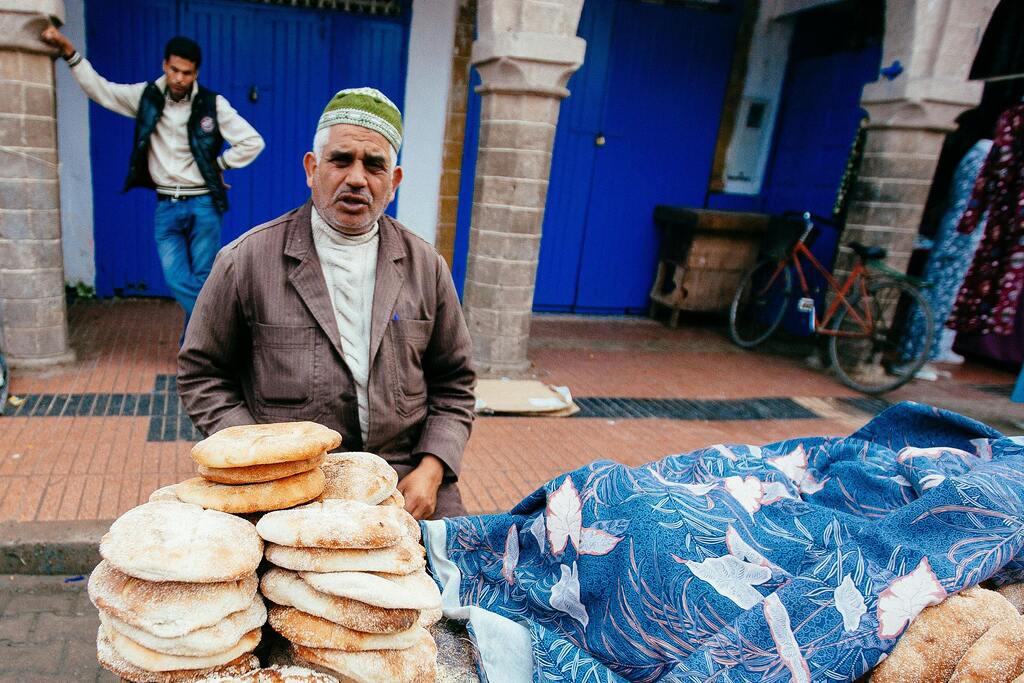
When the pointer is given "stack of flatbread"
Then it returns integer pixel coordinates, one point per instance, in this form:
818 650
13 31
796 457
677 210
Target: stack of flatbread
349 590
177 594
975 636
257 468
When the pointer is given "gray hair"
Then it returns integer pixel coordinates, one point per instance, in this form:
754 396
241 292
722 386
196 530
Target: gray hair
320 141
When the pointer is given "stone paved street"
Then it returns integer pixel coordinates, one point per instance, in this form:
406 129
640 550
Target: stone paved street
48 631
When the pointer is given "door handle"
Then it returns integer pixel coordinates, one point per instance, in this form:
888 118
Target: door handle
254 93
599 140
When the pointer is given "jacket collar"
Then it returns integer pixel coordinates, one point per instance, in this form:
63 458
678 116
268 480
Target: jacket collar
308 279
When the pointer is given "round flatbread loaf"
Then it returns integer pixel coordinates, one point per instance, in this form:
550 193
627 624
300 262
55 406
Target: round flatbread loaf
200 643
257 474
167 541
412 591
263 444
335 524
168 609
247 498
278 674
151 660
429 617
417 664
165 493
1014 592
405 557
933 644
362 477
996 657
112 661
396 499
287 588
311 631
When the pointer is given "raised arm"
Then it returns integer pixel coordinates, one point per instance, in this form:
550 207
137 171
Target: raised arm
120 98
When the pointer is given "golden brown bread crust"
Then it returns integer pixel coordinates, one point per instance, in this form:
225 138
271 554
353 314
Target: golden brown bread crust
362 477
110 660
335 524
1014 592
934 643
168 541
168 608
263 444
286 588
151 660
257 474
405 557
996 657
417 664
278 494
312 631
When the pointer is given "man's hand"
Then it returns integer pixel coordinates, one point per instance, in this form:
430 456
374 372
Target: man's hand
420 487
224 184
52 36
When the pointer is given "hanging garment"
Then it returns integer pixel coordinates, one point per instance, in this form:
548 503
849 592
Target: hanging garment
987 302
951 256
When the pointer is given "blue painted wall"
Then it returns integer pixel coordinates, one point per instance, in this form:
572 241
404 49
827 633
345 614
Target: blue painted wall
294 58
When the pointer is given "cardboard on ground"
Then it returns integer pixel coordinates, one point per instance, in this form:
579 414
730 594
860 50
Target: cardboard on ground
523 397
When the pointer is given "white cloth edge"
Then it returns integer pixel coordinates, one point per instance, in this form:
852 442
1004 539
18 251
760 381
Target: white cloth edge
505 647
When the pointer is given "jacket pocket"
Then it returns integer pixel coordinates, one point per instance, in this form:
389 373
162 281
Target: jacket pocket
409 340
284 360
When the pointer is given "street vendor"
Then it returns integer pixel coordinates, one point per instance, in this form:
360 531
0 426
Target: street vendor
336 313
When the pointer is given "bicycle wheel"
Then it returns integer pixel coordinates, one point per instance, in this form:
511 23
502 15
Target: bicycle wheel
759 304
865 350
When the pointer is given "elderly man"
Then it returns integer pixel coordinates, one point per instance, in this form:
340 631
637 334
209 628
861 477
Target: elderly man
335 313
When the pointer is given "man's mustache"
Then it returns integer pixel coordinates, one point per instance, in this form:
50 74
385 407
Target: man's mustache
350 194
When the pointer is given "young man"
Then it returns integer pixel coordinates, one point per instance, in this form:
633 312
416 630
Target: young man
335 313
180 129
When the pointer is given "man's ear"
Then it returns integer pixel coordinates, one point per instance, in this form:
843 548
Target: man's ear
309 163
396 180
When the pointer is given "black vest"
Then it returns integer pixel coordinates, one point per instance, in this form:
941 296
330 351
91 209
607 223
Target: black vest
204 139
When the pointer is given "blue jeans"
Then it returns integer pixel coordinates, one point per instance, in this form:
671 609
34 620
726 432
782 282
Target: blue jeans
187 232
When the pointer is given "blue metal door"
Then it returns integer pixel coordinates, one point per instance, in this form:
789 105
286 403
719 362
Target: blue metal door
277 66
639 130
818 123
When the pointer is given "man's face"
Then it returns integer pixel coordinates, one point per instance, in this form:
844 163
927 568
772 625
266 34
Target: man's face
353 181
181 74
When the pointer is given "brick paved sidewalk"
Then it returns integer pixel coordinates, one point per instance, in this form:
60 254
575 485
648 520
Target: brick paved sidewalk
94 438
48 631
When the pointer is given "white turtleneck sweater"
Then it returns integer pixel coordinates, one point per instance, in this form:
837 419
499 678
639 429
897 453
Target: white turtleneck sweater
349 265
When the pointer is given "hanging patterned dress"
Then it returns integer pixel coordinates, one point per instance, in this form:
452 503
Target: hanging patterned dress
951 256
987 302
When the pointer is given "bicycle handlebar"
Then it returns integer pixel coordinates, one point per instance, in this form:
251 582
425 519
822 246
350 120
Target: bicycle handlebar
807 215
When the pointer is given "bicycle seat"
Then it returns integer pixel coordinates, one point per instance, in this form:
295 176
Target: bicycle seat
868 253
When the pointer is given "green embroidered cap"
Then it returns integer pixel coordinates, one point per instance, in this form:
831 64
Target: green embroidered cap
366 107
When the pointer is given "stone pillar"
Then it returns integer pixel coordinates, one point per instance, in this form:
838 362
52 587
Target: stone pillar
910 115
33 316
526 51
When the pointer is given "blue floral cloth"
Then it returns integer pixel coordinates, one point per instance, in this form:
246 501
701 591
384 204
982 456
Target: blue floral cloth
802 560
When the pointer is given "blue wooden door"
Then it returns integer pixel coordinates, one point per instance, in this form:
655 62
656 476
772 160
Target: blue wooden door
651 90
278 66
818 123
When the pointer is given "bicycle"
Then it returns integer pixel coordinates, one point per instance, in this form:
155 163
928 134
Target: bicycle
861 320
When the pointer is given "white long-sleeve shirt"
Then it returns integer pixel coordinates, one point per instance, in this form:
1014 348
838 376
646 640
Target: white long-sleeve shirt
171 164
350 269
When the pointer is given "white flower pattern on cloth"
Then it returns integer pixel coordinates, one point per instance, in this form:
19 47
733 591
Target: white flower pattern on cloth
849 603
511 557
565 595
565 523
905 597
785 641
732 578
748 492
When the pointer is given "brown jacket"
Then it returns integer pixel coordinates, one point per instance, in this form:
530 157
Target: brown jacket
263 346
